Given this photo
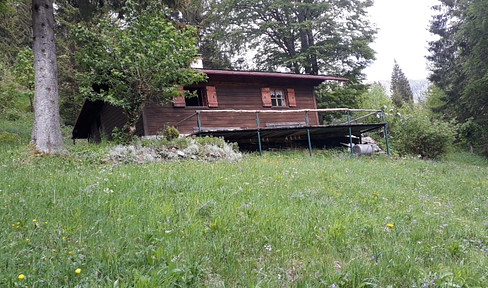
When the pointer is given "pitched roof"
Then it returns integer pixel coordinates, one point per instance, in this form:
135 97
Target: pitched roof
272 75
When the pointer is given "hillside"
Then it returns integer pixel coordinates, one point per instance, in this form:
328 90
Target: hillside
284 219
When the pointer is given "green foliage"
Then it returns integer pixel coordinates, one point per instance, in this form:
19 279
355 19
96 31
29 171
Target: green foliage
3 6
458 59
435 102
119 137
312 37
7 138
470 131
23 71
15 29
131 62
375 98
473 135
334 95
170 133
414 133
15 130
9 98
401 93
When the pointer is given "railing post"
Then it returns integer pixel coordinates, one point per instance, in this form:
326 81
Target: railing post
350 131
308 134
199 123
259 134
386 133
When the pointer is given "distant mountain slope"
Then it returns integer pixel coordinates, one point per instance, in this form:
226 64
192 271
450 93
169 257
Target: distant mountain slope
419 88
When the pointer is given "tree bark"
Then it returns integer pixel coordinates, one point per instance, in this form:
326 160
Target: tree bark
46 131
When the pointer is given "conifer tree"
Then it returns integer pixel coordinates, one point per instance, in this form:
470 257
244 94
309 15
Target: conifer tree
401 92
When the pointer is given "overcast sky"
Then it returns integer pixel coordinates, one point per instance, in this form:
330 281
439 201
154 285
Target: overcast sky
402 35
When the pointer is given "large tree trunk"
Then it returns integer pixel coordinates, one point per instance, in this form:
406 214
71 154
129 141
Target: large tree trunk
46 131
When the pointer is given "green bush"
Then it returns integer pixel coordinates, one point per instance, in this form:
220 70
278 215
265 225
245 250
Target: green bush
9 98
171 133
417 134
473 135
7 95
119 136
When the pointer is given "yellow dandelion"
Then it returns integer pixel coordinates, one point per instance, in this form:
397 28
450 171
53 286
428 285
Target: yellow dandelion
64 237
69 252
11 244
54 250
390 225
27 239
45 222
13 225
78 271
21 276
18 223
34 220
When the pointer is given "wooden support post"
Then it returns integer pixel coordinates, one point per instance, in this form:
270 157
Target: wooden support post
308 134
386 133
350 131
199 123
259 134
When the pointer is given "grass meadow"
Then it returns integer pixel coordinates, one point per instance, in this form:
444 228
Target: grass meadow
281 220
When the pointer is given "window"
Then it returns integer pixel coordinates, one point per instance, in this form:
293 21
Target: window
197 99
201 97
277 98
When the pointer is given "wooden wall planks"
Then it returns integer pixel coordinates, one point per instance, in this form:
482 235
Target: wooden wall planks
243 97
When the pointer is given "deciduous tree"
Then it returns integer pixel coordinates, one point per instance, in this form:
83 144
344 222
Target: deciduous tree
304 36
128 62
23 70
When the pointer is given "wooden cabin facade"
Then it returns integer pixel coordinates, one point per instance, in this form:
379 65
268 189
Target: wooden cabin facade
224 90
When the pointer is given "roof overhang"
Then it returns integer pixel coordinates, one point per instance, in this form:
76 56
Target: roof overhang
270 77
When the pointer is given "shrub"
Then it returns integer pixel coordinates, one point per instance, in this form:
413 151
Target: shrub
171 133
471 134
119 137
416 134
9 96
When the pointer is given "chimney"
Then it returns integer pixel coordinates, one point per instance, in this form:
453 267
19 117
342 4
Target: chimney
197 63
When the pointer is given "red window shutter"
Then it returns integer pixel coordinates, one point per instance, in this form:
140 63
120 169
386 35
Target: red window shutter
179 101
292 102
212 96
266 97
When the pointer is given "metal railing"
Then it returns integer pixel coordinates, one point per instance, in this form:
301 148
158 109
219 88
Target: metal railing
348 111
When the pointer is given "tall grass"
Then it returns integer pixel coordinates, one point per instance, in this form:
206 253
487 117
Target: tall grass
283 219
279 220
